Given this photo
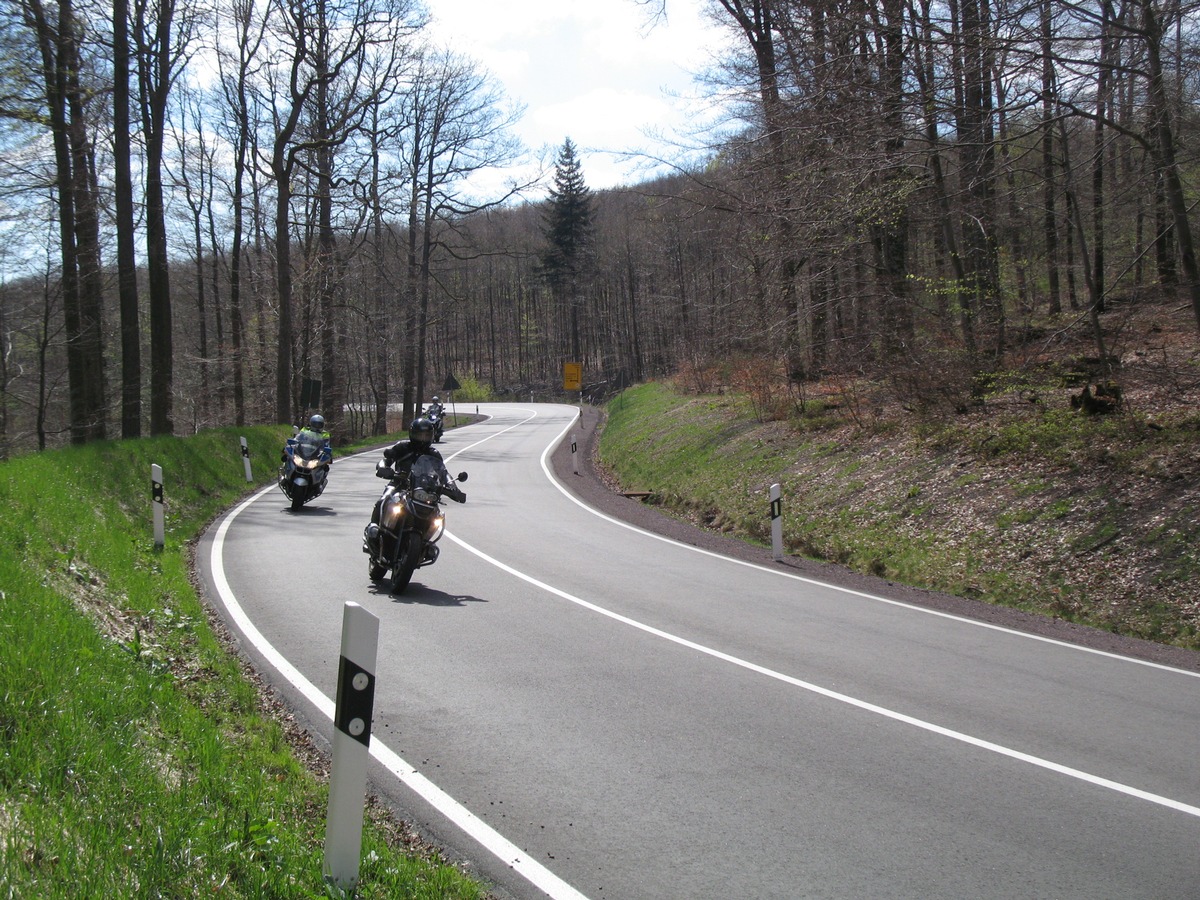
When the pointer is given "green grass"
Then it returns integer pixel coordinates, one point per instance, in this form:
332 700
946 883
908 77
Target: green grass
136 759
1042 511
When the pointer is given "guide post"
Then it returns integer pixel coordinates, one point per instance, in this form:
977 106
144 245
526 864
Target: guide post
351 740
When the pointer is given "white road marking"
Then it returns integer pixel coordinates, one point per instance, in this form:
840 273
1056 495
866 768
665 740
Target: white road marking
492 841
834 695
865 596
825 692
499 846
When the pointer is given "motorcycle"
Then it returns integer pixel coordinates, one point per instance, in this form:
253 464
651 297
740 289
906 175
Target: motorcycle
305 469
410 521
436 414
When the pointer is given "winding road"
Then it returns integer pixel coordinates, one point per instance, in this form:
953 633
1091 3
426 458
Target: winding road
578 708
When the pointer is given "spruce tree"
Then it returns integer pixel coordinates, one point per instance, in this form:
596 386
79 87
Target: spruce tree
568 221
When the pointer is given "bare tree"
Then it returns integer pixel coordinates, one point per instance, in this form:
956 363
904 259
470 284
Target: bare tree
326 44
237 66
162 34
127 278
60 42
458 127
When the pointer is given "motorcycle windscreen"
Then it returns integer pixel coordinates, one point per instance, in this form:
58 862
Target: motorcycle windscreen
308 446
425 473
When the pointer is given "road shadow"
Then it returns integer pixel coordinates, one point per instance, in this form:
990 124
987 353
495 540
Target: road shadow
418 593
309 511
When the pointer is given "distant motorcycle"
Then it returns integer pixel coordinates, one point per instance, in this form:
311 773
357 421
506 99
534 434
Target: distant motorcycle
410 519
436 413
305 470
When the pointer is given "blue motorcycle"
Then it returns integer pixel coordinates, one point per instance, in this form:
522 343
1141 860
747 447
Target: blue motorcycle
305 470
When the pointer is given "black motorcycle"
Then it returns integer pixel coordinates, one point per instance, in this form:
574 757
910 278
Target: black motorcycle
436 415
410 520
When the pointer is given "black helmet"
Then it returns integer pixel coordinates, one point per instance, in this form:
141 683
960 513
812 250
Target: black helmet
317 423
421 432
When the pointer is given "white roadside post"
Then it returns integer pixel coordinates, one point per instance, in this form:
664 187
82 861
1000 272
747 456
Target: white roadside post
351 739
777 521
156 497
246 459
574 459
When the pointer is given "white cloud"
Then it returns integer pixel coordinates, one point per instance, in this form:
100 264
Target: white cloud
597 71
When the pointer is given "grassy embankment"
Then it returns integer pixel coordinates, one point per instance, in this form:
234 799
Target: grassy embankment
136 759
1092 519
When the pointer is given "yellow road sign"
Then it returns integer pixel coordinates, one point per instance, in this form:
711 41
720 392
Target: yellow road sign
572 377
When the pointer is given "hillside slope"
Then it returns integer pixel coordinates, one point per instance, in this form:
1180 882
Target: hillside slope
1022 501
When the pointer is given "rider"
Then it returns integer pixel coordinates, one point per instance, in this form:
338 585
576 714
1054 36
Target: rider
436 413
316 428
317 425
400 457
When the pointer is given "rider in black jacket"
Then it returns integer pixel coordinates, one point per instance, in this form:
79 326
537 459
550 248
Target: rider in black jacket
400 457
420 442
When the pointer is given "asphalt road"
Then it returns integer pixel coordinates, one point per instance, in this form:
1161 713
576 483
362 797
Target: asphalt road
579 708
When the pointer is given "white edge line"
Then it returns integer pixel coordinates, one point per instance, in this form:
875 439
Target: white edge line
841 698
878 599
491 840
499 846
959 736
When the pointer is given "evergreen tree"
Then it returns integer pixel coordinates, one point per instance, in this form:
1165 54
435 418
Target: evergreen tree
568 222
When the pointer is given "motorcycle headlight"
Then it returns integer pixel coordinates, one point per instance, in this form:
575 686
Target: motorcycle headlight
392 513
436 527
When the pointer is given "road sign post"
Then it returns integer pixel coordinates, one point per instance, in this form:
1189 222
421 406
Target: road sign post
246 459
574 458
777 521
156 498
351 740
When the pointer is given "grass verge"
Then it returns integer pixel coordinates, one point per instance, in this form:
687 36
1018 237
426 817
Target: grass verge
1089 519
136 757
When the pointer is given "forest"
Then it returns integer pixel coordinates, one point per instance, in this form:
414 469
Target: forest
213 208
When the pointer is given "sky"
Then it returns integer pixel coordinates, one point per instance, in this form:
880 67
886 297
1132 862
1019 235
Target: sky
600 72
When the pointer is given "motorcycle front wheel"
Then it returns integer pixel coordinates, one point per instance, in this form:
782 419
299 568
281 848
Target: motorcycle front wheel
410 556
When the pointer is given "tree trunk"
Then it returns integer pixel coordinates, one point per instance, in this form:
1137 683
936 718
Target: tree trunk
1172 183
127 279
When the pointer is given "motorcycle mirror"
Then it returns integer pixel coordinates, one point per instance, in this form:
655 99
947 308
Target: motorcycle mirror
462 476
